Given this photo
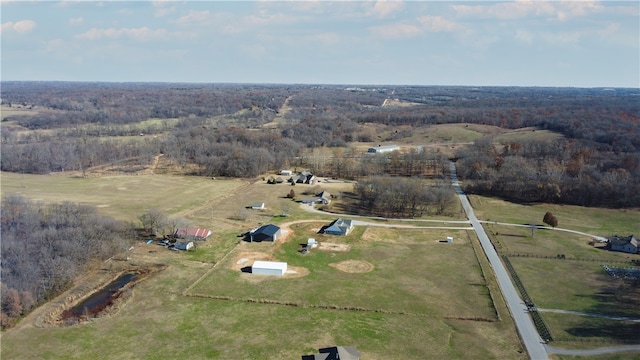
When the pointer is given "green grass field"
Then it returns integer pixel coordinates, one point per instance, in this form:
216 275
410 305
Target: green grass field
578 283
421 299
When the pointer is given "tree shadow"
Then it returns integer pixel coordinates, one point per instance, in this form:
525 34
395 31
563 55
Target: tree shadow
246 269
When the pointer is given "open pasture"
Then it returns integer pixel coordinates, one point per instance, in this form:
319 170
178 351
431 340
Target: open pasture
410 277
123 197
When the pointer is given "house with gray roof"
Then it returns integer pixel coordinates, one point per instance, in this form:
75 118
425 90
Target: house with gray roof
628 244
339 227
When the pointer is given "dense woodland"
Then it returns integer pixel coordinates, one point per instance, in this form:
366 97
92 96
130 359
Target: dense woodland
45 246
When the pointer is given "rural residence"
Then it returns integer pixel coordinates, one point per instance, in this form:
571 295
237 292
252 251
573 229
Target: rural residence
339 227
324 198
628 244
304 177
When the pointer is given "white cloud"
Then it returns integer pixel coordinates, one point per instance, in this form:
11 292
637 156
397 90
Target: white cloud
561 10
193 17
436 23
524 36
20 27
384 8
76 21
139 34
396 30
266 18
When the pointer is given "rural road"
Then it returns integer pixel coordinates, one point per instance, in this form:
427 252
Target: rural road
528 333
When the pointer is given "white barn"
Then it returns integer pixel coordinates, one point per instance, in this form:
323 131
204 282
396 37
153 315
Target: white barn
269 267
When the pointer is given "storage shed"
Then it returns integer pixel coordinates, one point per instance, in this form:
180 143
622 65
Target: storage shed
267 232
269 267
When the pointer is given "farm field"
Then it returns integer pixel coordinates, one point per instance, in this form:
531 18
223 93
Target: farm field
393 286
576 282
420 297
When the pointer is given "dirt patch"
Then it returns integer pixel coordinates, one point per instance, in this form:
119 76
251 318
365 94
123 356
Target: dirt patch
327 246
353 266
245 259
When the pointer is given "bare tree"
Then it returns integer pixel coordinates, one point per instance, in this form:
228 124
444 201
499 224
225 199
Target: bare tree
154 220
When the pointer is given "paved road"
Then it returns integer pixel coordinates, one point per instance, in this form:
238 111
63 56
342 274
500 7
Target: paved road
528 333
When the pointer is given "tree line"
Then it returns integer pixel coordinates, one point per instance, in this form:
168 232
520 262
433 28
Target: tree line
559 171
389 196
45 246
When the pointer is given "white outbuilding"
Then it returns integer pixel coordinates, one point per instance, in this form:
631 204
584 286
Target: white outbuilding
269 267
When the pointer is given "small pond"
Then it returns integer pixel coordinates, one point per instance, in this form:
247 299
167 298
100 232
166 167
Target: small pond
101 299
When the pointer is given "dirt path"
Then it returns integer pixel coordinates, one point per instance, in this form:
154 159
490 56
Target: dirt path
284 110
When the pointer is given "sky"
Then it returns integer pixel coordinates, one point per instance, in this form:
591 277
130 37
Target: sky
473 43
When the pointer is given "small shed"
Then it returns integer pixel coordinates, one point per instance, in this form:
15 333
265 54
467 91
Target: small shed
257 206
269 267
286 172
450 239
312 243
188 245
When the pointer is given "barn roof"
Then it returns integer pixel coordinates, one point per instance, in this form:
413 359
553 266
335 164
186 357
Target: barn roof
268 230
193 232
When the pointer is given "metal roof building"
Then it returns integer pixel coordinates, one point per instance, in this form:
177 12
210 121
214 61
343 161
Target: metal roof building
269 267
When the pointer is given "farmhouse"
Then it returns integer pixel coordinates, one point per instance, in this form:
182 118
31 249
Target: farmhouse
269 267
383 149
304 177
335 353
267 232
324 198
339 227
193 233
628 244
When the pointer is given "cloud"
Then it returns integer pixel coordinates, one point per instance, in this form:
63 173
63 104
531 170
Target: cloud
436 23
397 30
76 21
265 18
561 10
139 34
193 17
383 8
20 27
524 36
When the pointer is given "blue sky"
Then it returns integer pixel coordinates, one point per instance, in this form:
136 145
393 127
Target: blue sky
515 43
